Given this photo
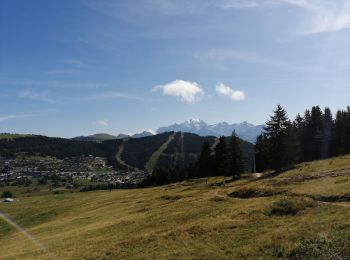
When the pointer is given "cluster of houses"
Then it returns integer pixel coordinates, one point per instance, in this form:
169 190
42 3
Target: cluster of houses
95 169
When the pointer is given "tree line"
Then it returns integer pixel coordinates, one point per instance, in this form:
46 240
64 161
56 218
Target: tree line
312 136
224 159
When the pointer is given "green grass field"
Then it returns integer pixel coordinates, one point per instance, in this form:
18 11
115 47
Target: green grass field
278 218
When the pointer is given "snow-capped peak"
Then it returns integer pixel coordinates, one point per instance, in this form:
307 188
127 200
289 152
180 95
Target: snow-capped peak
151 131
194 120
245 130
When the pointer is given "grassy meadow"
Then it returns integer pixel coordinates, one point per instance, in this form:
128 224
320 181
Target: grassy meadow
272 217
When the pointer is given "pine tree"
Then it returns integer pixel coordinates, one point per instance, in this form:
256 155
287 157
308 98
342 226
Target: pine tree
278 132
327 126
297 132
205 161
236 159
262 153
221 159
341 132
317 134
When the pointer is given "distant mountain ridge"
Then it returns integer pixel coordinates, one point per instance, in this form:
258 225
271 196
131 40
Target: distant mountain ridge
105 137
96 137
244 130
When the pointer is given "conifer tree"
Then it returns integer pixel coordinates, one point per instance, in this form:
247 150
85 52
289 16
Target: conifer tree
278 131
205 161
261 153
341 132
317 134
236 159
327 126
221 158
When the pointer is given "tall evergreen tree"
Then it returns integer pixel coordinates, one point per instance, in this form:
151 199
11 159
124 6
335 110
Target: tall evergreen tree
205 161
221 158
306 137
317 133
236 159
262 153
278 132
341 132
327 126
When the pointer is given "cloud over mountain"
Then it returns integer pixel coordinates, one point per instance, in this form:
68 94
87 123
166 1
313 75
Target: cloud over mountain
102 122
185 91
225 90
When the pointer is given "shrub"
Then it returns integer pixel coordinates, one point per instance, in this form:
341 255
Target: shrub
255 193
287 207
169 197
6 194
322 248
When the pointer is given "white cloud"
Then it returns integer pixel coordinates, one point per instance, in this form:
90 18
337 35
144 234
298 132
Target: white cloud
49 84
61 71
242 4
10 117
224 54
225 90
39 96
5 118
320 15
113 95
185 91
327 16
76 63
102 122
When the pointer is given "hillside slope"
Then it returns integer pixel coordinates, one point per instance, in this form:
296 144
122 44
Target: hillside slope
302 213
135 153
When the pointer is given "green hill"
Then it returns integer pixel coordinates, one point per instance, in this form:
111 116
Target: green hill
299 214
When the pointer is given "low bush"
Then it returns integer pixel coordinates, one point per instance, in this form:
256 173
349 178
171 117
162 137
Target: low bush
255 193
287 207
169 197
6 194
322 248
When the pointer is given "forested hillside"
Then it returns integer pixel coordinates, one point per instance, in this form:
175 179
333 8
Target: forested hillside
185 147
42 145
181 151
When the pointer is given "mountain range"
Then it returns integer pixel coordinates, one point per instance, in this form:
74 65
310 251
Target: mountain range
244 130
104 137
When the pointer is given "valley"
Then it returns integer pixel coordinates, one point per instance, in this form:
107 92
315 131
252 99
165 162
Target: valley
70 164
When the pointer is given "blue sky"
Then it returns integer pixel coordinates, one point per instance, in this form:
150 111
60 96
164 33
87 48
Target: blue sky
78 67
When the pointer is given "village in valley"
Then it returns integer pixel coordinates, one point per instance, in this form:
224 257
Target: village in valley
69 173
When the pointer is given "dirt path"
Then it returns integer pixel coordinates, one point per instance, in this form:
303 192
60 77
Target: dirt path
119 159
341 204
